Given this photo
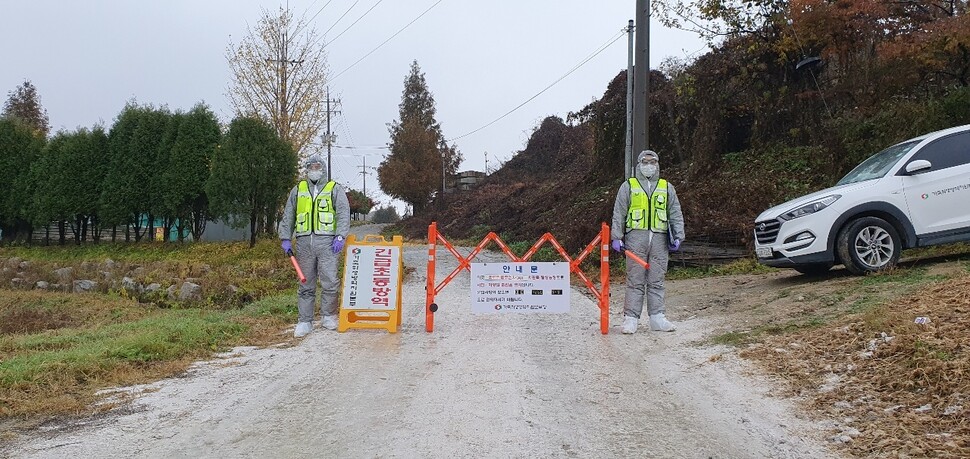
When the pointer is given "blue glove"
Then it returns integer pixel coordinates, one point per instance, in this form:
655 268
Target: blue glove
617 245
287 247
338 244
674 246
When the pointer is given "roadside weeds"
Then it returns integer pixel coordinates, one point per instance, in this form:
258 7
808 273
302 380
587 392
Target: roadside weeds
884 384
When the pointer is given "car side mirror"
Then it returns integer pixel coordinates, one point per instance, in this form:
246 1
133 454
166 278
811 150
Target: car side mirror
920 165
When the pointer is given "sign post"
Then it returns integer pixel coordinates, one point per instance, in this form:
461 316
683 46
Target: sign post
370 296
499 288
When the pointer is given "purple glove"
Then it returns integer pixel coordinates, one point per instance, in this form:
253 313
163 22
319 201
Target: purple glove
674 246
338 244
617 245
287 247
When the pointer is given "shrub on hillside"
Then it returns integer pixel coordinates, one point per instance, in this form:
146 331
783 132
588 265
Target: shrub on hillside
386 215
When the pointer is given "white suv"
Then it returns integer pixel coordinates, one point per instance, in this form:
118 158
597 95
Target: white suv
912 194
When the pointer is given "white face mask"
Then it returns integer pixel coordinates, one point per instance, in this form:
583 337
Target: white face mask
315 176
648 170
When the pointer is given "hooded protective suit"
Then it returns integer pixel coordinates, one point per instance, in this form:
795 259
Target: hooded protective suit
649 245
315 252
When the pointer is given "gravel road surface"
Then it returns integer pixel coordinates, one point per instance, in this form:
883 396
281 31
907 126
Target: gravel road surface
479 386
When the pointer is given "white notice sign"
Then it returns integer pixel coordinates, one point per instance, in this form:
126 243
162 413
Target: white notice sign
520 287
371 276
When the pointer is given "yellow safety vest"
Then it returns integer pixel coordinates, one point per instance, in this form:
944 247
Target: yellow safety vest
647 213
322 220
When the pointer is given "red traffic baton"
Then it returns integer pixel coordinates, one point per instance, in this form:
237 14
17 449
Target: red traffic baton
637 259
299 272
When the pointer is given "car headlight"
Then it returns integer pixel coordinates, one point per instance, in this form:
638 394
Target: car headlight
811 207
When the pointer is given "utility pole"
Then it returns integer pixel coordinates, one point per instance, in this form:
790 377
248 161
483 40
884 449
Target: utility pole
282 78
363 171
486 163
330 138
641 79
628 151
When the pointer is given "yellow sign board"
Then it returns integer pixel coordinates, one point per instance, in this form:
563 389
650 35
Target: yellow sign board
370 296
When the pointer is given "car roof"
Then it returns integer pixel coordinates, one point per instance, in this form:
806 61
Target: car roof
940 133
943 132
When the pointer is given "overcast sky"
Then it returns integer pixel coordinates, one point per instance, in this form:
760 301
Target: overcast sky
481 60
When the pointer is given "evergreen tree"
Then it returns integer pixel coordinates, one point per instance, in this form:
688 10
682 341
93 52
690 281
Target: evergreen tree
69 187
419 154
252 172
115 208
130 194
198 136
19 151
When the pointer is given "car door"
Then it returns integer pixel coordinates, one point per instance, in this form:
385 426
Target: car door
939 197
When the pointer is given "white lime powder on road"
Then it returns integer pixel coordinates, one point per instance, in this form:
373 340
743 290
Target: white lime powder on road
479 386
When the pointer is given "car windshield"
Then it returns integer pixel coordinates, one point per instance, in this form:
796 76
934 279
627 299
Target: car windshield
878 165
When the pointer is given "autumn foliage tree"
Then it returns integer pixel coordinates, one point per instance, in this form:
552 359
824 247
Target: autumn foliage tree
360 204
279 75
23 103
419 155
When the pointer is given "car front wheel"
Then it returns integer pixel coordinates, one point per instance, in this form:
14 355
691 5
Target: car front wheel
869 244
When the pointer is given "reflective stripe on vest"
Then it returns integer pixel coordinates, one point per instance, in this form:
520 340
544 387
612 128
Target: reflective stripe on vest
644 212
323 220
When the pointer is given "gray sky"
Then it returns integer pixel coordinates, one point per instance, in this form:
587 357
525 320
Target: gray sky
481 59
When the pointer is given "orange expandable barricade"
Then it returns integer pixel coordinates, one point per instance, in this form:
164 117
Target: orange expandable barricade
602 294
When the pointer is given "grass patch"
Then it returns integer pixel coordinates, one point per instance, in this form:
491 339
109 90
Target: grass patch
212 253
959 250
57 350
740 338
732 338
897 275
737 267
230 274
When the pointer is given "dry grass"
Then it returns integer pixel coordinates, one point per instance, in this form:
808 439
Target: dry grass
230 274
84 344
903 386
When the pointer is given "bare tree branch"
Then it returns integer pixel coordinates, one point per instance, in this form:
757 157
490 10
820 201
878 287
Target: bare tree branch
279 74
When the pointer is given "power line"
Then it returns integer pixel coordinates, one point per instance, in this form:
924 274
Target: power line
314 16
584 61
341 17
345 125
354 23
353 147
375 149
385 41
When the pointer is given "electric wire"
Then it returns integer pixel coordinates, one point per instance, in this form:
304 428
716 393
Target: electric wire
341 17
583 62
307 22
385 41
354 23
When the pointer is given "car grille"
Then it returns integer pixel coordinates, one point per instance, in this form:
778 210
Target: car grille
767 231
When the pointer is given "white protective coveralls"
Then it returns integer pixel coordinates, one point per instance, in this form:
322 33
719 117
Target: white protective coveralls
318 255
650 246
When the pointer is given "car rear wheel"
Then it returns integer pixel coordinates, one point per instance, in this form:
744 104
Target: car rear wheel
869 244
814 269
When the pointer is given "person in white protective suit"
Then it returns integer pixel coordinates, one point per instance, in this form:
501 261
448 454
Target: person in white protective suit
317 215
648 221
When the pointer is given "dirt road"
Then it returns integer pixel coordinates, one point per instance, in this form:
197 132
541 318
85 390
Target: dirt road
479 386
